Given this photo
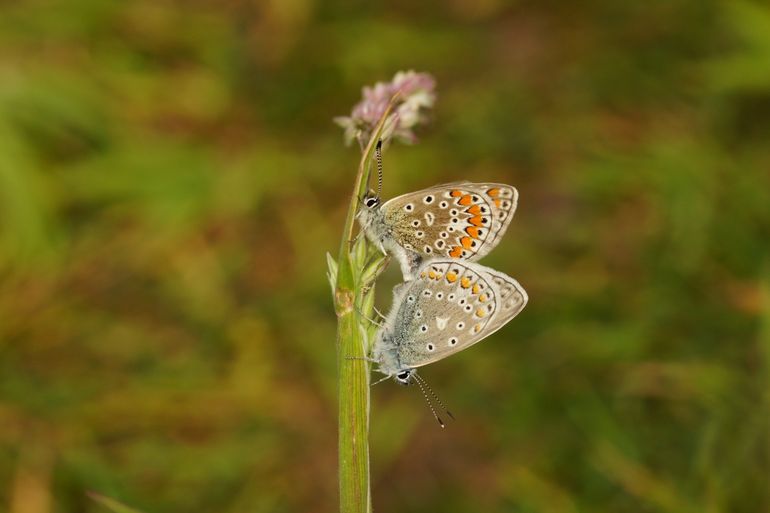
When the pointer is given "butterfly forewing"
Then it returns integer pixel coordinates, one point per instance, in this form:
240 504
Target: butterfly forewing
460 221
451 306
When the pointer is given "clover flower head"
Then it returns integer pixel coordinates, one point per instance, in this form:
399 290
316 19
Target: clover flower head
416 98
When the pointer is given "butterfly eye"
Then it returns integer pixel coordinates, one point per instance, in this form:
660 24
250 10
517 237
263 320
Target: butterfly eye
371 202
404 377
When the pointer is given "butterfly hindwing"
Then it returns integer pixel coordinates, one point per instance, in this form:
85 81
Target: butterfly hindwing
463 221
450 306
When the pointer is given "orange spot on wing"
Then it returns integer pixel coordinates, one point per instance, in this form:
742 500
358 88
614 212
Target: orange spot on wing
474 210
451 277
475 288
497 203
477 328
465 282
482 298
466 242
472 231
422 274
432 275
480 312
476 220
455 193
494 192
465 200
456 252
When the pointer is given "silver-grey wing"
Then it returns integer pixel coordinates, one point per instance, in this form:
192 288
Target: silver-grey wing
451 306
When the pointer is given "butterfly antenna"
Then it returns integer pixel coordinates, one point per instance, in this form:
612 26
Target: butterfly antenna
378 153
434 396
423 386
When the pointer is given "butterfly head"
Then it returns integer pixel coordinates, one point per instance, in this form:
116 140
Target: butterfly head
371 201
404 377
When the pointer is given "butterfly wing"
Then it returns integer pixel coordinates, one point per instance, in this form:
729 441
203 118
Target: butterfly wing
451 306
461 220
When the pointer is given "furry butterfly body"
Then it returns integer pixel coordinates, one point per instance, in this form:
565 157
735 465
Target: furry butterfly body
462 221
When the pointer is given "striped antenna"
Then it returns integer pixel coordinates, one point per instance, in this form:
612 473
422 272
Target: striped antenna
424 389
435 397
378 153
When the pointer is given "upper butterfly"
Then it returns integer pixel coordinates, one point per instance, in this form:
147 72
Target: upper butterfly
458 220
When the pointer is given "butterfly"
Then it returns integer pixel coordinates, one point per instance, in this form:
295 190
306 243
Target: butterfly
462 221
448 307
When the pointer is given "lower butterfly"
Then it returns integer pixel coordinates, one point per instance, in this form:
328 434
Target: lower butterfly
450 306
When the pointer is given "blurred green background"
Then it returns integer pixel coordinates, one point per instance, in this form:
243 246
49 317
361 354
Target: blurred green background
170 180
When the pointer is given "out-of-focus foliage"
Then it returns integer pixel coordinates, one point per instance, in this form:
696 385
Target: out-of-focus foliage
170 180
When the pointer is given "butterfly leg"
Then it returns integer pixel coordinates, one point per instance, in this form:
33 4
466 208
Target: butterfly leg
382 379
364 358
379 313
379 325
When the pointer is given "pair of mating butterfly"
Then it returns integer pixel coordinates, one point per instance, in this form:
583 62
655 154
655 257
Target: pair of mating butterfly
448 302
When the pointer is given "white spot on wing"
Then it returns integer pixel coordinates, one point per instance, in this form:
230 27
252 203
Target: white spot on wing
441 322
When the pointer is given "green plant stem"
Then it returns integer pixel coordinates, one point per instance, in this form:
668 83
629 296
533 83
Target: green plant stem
352 369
